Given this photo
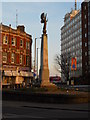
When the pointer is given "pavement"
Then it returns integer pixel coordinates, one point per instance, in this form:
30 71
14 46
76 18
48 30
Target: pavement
23 110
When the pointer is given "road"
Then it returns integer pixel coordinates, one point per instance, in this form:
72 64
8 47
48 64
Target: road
25 110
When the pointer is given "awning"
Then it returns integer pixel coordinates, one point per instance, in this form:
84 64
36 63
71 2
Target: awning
5 84
7 73
26 74
15 73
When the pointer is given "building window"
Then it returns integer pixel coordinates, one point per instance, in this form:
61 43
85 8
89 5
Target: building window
85 44
85 53
89 53
80 36
85 25
27 45
89 62
88 33
12 57
85 35
80 29
88 42
80 43
85 63
27 60
13 41
4 57
21 43
85 16
85 7
20 59
5 39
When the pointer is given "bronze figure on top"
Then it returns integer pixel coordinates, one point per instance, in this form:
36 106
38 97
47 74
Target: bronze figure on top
44 20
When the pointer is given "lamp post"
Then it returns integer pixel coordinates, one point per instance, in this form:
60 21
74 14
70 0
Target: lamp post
37 62
35 56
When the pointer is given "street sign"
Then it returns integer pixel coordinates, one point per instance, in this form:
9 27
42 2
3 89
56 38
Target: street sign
34 74
73 64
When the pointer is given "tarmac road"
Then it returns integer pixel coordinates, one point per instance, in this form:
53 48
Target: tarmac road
29 110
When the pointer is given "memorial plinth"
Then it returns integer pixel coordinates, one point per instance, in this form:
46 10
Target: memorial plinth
44 69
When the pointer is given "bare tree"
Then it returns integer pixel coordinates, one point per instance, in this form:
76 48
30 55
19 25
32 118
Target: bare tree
63 65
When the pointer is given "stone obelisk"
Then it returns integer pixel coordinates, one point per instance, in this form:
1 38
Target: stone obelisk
44 70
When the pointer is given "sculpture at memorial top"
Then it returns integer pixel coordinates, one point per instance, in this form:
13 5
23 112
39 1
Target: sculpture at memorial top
44 20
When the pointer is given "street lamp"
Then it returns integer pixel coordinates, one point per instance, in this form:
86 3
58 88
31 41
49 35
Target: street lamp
37 62
35 56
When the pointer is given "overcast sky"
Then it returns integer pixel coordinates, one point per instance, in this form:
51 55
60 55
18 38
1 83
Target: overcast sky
29 16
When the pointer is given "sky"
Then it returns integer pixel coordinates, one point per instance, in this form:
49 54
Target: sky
29 16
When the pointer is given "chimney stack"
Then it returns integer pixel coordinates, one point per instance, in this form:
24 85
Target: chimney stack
9 25
21 28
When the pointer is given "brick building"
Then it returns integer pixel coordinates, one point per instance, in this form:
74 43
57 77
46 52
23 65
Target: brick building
15 53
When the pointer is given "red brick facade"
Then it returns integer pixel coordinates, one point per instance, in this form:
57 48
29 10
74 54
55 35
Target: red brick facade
15 45
17 49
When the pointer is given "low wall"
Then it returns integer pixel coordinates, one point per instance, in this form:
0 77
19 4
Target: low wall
44 98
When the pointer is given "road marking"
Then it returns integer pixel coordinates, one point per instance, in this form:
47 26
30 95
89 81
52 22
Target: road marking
51 108
19 116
